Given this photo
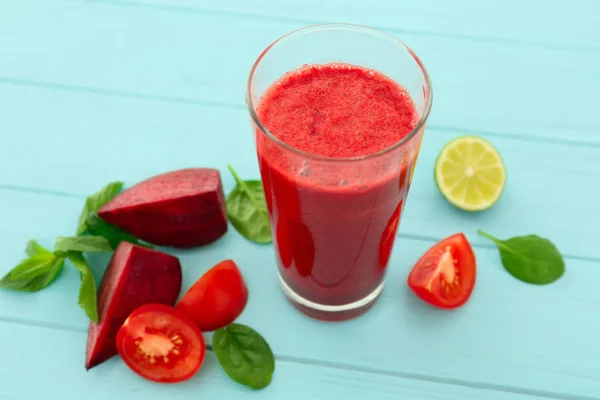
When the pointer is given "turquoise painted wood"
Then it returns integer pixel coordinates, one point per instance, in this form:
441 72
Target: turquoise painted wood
295 380
517 332
400 335
504 88
92 90
124 124
565 24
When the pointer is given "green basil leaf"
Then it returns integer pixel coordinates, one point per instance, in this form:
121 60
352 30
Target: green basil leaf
36 283
34 248
33 266
530 258
95 201
87 291
97 226
244 355
247 210
96 244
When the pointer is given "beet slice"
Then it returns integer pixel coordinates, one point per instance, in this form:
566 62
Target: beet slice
135 276
182 209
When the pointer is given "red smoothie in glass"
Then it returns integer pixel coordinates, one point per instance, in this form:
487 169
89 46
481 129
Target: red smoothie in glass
334 223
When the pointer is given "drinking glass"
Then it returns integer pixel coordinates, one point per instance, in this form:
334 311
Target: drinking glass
334 220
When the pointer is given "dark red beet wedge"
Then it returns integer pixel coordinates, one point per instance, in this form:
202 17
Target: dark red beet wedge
184 208
135 276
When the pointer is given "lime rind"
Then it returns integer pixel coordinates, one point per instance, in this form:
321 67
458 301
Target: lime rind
449 153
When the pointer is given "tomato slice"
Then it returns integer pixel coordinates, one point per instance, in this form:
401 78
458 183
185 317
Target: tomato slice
161 344
445 276
217 298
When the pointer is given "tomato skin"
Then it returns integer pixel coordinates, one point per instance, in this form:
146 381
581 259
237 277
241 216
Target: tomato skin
161 344
445 275
217 298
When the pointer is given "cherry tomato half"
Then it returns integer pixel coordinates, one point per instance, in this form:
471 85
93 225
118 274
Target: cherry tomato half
217 298
161 344
445 276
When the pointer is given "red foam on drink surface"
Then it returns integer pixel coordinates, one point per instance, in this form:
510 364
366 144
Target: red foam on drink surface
337 110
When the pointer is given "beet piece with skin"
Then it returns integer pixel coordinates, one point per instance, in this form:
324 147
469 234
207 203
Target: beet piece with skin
184 208
135 276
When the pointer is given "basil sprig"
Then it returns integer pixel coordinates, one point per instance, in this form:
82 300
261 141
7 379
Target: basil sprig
43 266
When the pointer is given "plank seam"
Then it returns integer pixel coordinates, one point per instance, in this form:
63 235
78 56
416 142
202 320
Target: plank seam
308 21
116 93
421 238
354 368
440 379
241 106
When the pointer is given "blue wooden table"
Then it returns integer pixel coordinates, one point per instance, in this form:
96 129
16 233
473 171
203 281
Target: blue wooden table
100 90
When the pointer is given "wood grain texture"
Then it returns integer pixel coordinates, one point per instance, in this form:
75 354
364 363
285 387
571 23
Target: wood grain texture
570 24
113 380
183 56
510 335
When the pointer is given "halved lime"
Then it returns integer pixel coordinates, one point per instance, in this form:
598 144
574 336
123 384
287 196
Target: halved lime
470 173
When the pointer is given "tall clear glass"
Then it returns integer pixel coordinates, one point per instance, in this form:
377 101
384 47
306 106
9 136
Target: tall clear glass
334 220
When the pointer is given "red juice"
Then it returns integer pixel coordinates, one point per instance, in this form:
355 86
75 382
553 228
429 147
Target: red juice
334 216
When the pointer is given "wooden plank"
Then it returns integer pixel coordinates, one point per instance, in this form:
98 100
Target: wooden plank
135 84
37 350
79 141
510 335
570 24
478 85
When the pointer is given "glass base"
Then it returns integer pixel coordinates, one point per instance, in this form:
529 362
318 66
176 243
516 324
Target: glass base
330 313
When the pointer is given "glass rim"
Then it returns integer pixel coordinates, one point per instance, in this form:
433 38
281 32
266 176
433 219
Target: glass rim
342 26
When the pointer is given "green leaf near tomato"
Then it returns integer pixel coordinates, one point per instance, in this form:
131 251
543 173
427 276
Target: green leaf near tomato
247 210
244 355
530 258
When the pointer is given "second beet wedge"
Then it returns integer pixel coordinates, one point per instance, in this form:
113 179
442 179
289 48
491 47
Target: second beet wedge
135 276
182 209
